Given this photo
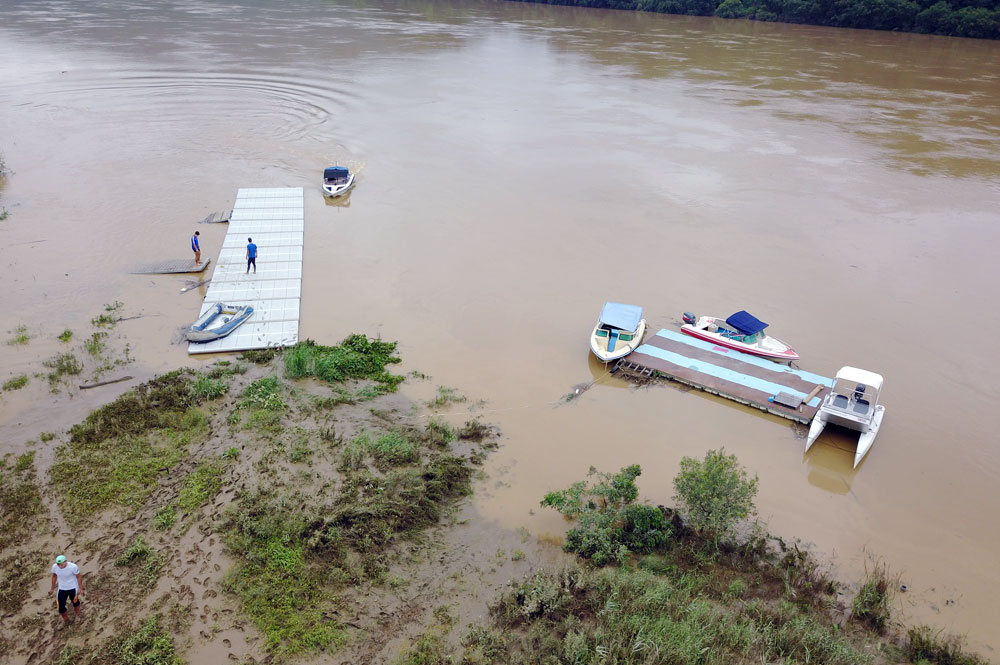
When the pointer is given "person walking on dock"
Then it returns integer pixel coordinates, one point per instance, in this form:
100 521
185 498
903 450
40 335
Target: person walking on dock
251 256
66 575
196 247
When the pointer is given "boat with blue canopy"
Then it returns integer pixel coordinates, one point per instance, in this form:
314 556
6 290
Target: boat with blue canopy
742 332
337 180
218 321
618 332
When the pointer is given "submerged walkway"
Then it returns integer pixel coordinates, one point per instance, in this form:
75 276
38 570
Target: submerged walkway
727 373
274 218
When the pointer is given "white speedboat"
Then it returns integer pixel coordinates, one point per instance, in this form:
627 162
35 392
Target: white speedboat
741 331
853 404
337 180
618 331
217 322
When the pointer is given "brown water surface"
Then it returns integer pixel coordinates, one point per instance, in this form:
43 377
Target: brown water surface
519 165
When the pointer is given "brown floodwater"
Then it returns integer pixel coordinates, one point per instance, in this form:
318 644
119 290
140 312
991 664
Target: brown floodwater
519 165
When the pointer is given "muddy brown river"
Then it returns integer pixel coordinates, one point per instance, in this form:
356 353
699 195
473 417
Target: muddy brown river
519 165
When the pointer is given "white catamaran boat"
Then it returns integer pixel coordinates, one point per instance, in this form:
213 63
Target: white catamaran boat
853 404
618 331
337 180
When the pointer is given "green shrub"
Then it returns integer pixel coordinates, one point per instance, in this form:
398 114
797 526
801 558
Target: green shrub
357 357
873 603
165 517
206 388
609 525
714 494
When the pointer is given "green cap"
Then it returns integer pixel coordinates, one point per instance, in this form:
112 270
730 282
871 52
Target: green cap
60 559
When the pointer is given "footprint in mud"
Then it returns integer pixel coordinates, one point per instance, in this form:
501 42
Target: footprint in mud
196 580
217 567
204 634
211 542
211 593
227 643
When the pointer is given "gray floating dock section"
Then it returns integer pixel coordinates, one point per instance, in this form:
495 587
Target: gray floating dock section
274 218
756 382
171 266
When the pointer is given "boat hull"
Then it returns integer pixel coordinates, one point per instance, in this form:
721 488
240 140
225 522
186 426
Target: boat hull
599 345
770 347
332 190
868 431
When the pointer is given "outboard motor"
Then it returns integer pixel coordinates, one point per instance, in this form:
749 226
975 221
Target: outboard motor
689 318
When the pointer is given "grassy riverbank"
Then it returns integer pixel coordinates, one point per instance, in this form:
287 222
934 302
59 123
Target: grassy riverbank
291 505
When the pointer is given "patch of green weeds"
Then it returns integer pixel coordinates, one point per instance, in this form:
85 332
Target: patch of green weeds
20 337
263 403
206 388
926 645
62 365
20 501
147 644
224 368
16 382
46 436
429 649
231 453
474 430
199 487
392 449
117 455
517 555
19 574
444 397
25 461
873 603
165 517
353 456
300 451
110 316
147 563
438 434
259 356
65 336
357 357
95 345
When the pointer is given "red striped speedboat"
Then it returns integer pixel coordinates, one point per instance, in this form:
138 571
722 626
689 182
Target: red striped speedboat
742 332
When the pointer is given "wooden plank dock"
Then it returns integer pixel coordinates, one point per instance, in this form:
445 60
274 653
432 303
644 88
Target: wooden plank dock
738 376
171 266
274 217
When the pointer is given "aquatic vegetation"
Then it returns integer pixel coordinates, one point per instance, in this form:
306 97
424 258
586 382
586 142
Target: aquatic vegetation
110 316
928 646
357 357
65 336
20 337
444 397
199 487
873 603
16 382
95 345
62 365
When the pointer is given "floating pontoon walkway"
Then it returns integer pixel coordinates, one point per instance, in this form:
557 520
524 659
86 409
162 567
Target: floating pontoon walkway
275 220
732 374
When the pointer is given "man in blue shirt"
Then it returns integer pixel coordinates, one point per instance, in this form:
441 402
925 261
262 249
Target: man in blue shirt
251 256
196 248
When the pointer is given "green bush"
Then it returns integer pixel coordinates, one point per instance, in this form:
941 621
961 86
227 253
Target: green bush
609 526
714 495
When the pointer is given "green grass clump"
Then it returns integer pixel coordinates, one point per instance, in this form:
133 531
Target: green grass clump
263 403
147 644
62 365
65 336
109 317
148 563
16 383
95 345
20 501
439 434
231 453
207 388
357 357
926 646
20 337
165 517
444 397
199 487
19 574
118 454
392 449
873 603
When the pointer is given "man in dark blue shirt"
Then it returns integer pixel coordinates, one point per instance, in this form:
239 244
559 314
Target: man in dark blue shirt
251 256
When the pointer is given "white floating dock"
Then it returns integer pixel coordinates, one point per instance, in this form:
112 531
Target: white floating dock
274 218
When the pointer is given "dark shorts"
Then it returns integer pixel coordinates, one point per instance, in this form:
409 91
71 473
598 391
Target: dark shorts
252 261
65 594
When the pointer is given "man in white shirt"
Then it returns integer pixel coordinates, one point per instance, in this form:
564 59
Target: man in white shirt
66 575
